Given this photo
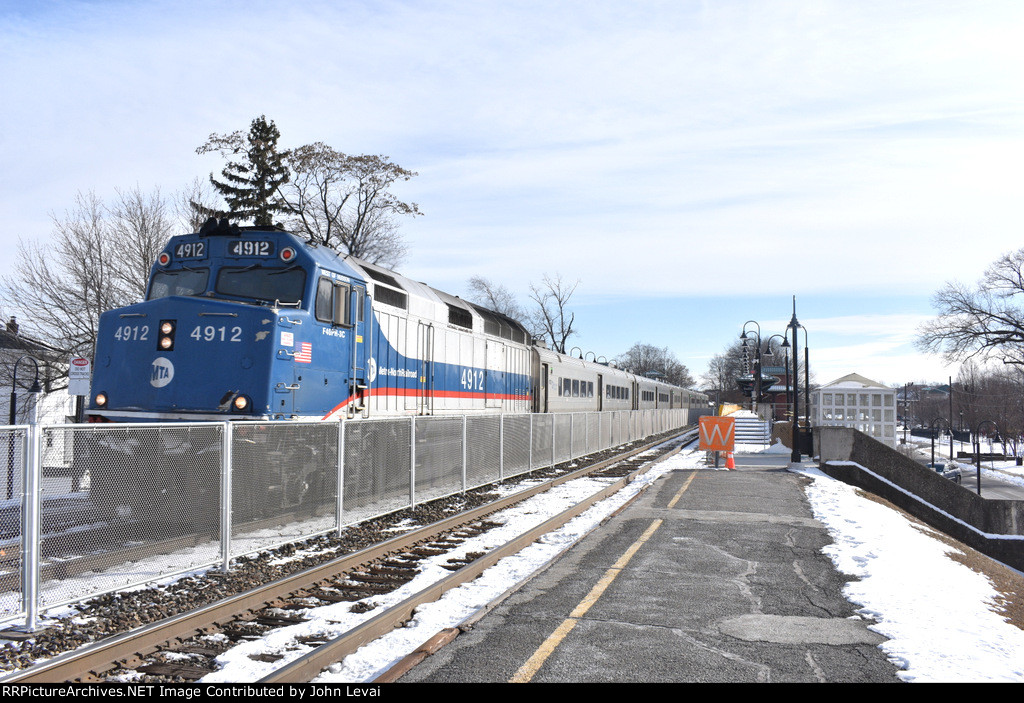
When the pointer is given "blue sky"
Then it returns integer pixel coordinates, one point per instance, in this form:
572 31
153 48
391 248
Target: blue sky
693 164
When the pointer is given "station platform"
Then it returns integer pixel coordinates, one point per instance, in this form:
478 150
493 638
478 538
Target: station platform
708 576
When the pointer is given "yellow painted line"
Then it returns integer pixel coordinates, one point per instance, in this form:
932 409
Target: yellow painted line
686 484
528 670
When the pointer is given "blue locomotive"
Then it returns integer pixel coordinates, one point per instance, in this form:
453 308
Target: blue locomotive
254 323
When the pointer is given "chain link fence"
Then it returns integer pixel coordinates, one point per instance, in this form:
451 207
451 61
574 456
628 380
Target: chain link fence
92 509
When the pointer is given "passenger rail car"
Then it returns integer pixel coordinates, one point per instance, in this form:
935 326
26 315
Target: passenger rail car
254 323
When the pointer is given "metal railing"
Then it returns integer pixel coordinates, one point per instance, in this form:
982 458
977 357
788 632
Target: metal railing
92 509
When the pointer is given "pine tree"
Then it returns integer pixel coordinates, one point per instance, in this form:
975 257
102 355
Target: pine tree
250 183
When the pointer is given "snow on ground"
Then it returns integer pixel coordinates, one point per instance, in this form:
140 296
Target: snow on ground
940 616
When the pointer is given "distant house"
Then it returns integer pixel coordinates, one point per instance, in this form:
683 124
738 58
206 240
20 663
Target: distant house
858 402
55 407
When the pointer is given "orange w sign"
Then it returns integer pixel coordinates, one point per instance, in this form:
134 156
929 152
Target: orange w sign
717 434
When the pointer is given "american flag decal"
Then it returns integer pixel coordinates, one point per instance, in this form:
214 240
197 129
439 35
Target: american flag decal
305 353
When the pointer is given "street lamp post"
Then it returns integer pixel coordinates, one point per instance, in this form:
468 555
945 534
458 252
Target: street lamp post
794 324
906 410
807 385
785 347
949 427
977 448
757 362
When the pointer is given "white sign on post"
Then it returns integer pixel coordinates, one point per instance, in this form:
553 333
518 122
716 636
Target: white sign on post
79 374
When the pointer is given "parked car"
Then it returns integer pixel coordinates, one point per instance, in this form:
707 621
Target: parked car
950 471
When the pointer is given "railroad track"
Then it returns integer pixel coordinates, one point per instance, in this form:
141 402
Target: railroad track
183 647
97 548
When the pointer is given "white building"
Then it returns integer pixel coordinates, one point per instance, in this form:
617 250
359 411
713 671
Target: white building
28 360
858 402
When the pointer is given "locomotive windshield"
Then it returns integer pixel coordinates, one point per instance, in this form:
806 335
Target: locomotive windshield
265 285
181 282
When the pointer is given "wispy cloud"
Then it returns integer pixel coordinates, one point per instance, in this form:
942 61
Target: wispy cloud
658 149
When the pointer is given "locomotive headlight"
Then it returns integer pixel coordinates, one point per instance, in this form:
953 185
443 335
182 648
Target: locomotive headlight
101 400
166 337
240 403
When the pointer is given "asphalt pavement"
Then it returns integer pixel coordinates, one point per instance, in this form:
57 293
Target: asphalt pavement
709 576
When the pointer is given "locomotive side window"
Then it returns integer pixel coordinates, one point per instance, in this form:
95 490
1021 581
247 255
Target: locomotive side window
325 300
265 285
180 282
332 302
342 300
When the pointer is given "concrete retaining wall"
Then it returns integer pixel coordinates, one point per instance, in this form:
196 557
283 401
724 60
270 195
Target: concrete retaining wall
993 527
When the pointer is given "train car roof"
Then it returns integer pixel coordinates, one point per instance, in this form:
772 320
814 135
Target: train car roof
392 288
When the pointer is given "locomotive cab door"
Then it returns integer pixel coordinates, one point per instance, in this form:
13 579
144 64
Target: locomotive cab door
332 366
423 398
359 305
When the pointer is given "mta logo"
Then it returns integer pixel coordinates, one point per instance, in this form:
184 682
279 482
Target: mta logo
161 372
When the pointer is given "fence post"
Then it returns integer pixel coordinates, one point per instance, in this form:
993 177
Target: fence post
226 470
412 462
553 423
341 472
30 530
572 427
529 456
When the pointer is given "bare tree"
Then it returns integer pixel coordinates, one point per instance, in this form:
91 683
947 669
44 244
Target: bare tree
60 287
641 359
141 224
495 297
551 317
344 202
984 322
193 202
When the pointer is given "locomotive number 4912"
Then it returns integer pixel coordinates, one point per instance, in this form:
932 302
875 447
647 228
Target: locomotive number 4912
247 247
209 333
